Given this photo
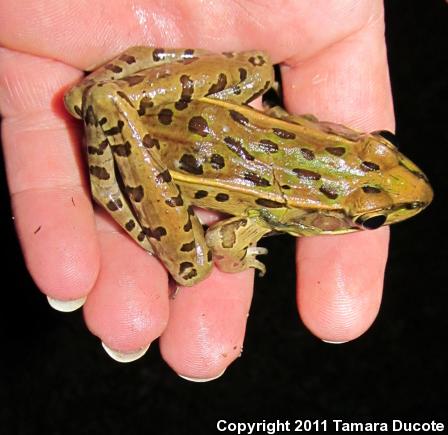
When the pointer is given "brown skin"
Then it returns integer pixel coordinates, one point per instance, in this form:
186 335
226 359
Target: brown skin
334 66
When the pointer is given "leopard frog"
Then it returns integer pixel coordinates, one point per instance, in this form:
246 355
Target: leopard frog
169 129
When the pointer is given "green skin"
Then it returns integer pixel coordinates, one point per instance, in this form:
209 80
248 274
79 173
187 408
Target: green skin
168 129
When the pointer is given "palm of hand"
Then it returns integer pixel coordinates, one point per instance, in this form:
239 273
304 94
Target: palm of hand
78 252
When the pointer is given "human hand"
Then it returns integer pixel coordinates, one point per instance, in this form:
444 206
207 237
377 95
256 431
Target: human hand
333 65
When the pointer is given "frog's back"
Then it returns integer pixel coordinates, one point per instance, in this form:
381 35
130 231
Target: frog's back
229 157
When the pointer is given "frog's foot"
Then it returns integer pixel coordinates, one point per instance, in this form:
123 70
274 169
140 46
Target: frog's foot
251 259
233 244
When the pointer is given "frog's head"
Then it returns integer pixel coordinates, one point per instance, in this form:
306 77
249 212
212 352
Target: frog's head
391 189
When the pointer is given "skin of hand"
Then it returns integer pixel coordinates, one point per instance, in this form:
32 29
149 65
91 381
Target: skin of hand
334 65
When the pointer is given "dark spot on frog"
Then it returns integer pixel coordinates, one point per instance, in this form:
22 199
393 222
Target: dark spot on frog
236 146
228 54
135 193
198 125
269 203
187 247
256 179
114 204
156 233
336 151
114 68
307 154
130 225
78 111
128 59
175 201
188 226
125 97
306 174
219 85
150 142
369 166
371 189
100 150
187 92
283 133
191 274
99 172
184 266
238 117
188 163
133 80
165 116
122 150
243 74
328 192
257 60
268 146
222 197
217 161
209 256
145 103
164 177
115 130
201 194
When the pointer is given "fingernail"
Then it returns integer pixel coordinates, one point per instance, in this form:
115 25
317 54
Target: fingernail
201 379
66 306
335 342
125 357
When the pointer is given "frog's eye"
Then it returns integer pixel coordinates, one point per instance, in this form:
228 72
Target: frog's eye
386 134
371 222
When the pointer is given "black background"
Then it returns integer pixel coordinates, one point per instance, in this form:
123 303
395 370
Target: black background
55 377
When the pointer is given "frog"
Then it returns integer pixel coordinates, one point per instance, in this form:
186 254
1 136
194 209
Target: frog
168 130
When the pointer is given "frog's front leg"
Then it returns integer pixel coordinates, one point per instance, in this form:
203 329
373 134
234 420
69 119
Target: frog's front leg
169 223
233 243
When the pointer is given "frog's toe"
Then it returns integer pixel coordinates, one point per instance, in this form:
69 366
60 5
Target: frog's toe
251 260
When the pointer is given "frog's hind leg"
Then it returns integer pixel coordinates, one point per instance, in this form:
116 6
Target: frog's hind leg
127 64
233 243
104 183
169 224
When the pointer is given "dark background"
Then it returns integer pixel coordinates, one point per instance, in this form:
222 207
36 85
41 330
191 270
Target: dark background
55 377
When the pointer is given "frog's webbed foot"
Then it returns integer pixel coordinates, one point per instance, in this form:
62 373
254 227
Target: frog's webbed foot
233 243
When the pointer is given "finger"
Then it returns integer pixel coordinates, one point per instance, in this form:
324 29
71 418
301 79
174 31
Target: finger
178 23
207 325
340 279
128 306
52 208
